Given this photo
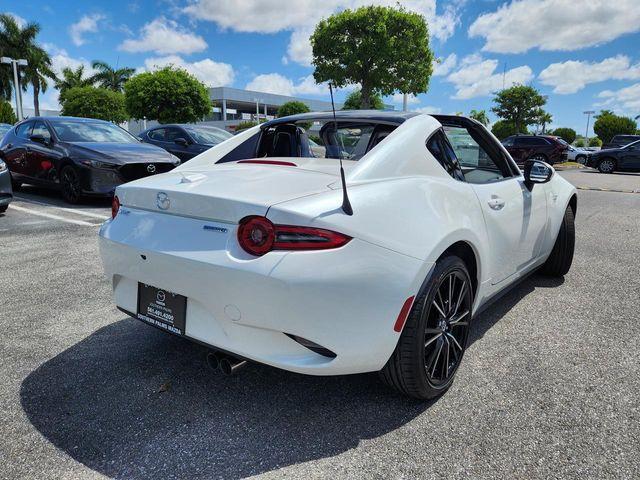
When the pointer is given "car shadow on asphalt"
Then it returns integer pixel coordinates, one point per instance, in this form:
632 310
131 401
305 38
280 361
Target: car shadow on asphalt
132 402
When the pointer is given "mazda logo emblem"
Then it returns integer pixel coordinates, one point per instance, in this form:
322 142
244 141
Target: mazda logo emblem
151 168
162 201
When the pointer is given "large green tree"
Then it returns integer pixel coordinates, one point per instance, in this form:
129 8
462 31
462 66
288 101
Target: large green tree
168 95
92 102
608 124
109 77
71 78
383 49
567 134
292 108
354 101
520 105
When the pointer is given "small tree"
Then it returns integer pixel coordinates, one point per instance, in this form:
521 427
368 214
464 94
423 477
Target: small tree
567 134
168 95
354 101
580 143
595 142
503 129
383 49
480 115
607 125
521 105
91 102
6 113
292 108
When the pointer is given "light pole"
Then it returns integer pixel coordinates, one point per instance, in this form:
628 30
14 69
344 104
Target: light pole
588 113
16 82
257 100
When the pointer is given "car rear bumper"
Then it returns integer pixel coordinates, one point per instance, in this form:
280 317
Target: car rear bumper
346 300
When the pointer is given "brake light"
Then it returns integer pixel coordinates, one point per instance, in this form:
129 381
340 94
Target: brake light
258 235
115 206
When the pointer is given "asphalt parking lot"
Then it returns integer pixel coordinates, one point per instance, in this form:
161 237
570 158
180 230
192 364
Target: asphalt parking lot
549 388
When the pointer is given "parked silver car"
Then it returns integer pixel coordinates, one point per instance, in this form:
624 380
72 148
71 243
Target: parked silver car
6 193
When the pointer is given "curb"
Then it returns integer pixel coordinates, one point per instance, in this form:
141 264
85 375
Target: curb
596 189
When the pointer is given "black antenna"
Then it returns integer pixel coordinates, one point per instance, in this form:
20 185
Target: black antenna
346 204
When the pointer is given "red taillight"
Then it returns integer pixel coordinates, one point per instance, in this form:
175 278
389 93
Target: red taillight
257 236
115 206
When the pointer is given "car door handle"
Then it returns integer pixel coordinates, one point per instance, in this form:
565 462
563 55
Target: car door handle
495 203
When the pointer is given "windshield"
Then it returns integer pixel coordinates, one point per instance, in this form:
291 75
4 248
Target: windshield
73 131
636 143
208 135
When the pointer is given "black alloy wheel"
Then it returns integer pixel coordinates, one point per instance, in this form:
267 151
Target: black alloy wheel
70 185
433 341
606 165
538 156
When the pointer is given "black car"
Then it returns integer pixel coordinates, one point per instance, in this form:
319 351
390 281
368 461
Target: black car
546 148
79 155
184 141
625 159
620 141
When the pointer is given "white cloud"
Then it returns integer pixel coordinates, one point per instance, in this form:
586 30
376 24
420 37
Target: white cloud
555 24
572 76
445 65
270 16
428 109
61 59
476 77
19 20
209 72
398 98
280 85
625 100
164 36
86 24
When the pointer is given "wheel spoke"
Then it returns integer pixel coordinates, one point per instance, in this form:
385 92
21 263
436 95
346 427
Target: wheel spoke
454 341
450 304
446 365
455 320
460 296
435 304
431 340
435 362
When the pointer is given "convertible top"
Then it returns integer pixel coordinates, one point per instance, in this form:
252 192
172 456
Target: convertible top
381 116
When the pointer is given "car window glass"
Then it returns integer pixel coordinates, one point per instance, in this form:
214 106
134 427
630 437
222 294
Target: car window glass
172 133
208 135
520 141
91 131
537 142
508 142
442 150
24 130
41 129
157 134
477 166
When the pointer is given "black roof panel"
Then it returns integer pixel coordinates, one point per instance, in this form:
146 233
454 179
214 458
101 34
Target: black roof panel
386 116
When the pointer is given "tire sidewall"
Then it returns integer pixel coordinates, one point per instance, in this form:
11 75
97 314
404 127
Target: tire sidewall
62 184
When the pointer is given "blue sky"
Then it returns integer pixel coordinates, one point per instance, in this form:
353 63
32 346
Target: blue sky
582 54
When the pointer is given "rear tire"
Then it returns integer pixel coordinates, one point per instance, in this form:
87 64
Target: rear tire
15 184
3 208
70 185
559 262
431 345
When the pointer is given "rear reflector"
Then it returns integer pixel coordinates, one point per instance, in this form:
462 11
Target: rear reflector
404 313
115 206
269 162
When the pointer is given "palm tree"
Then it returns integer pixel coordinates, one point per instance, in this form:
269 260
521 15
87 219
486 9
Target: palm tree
110 78
71 78
36 73
15 42
480 116
543 119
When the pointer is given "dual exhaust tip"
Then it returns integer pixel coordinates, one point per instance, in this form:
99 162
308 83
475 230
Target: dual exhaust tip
228 365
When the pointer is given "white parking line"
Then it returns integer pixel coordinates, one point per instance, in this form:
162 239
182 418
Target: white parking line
54 217
66 209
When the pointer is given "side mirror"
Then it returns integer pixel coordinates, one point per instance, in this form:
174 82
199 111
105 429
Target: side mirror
39 139
536 171
181 141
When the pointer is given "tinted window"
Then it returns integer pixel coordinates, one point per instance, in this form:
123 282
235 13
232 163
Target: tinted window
208 135
508 142
157 134
445 154
538 142
41 129
103 132
24 130
172 133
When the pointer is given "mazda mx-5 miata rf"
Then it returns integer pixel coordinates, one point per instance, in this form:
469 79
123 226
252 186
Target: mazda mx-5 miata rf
261 249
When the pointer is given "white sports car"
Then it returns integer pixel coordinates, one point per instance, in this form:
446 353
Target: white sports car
262 251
